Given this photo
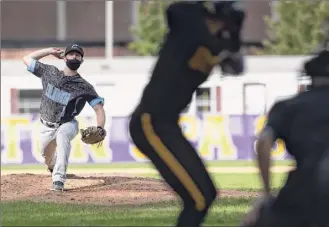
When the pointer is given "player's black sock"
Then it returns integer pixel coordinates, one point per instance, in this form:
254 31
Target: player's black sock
190 217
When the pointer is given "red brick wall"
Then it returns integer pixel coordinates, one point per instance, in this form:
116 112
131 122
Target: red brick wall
33 20
90 52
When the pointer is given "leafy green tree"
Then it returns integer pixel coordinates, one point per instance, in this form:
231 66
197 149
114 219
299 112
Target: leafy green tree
297 30
150 28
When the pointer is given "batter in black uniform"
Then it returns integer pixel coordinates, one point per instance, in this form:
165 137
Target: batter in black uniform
302 122
199 34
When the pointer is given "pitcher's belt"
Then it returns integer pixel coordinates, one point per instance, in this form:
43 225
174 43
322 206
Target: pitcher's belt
50 124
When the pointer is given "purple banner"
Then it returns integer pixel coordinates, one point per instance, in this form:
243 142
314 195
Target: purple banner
215 137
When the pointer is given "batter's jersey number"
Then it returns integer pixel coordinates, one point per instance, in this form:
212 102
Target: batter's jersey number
203 60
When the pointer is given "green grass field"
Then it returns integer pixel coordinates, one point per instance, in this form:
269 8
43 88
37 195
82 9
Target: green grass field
144 165
225 211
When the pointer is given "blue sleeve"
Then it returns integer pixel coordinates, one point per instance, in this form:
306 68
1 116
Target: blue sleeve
94 102
31 67
40 70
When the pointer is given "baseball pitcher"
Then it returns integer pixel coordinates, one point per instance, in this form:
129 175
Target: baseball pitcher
64 95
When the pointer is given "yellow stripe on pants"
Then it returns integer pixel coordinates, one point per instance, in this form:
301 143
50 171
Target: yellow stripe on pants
172 162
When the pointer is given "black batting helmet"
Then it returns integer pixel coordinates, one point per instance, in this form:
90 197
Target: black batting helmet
230 12
318 65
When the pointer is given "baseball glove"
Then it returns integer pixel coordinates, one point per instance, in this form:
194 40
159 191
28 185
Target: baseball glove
93 135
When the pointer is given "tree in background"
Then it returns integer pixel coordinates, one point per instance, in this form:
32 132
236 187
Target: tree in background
297 30
150 28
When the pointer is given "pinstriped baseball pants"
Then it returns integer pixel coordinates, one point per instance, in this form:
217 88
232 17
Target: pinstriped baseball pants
55 147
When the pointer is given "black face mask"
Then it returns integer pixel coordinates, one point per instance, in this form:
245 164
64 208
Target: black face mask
73 64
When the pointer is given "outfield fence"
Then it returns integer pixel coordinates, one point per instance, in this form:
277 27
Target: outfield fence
216 137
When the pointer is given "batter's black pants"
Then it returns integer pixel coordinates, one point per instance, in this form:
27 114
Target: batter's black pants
178 163
270 218
304 200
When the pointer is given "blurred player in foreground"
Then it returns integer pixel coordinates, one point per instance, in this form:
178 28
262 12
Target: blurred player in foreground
302 122
201 35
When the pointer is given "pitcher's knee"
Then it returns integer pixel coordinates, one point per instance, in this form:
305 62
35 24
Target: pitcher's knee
43 153
62 138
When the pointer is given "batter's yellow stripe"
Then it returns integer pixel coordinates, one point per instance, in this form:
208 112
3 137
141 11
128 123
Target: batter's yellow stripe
172 162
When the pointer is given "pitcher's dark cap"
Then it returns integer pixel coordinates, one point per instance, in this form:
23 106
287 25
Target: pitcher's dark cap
74 47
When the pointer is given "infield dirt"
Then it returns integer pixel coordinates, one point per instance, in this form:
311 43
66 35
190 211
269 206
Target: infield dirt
100 189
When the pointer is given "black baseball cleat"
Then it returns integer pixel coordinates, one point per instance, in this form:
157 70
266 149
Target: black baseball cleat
57 186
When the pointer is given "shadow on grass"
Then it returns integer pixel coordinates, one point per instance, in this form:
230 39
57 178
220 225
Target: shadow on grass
224 212
176 202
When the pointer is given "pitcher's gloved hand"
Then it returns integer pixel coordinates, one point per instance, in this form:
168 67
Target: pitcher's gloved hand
93 135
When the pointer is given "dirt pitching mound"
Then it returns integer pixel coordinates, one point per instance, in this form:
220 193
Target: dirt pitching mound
93 189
